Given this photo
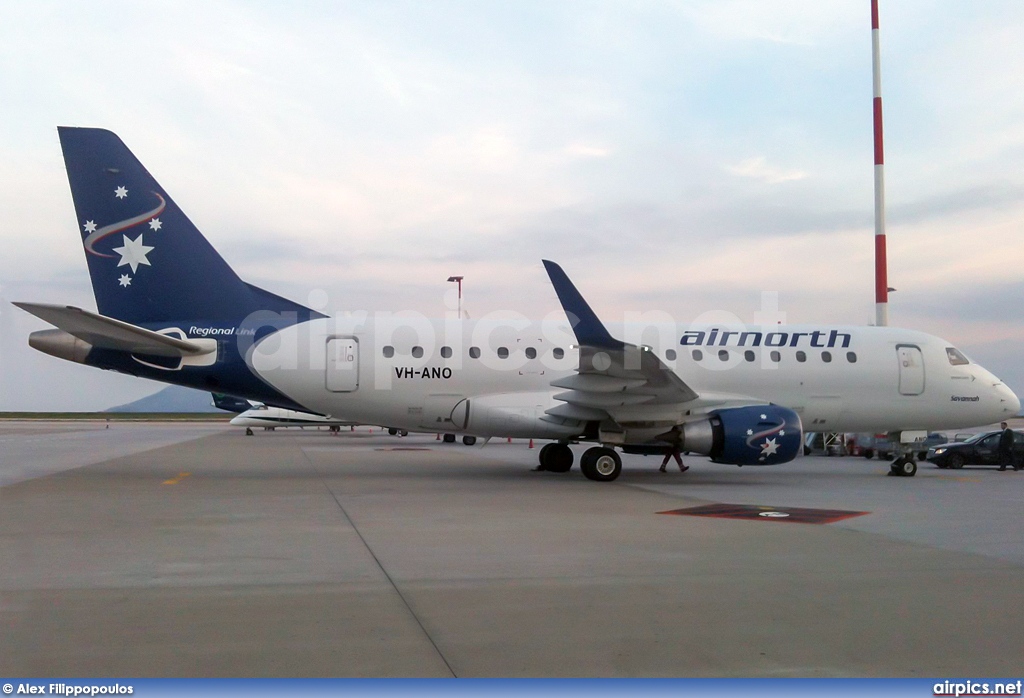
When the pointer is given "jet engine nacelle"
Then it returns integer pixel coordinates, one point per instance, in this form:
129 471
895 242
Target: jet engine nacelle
751 435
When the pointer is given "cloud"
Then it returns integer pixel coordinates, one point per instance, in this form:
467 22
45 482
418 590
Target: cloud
371 150
757 168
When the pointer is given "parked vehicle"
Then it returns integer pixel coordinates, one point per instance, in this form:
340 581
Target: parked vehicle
880 445
980 449
875 444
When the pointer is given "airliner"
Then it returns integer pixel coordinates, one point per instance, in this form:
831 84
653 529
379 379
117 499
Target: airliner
169 308
251 414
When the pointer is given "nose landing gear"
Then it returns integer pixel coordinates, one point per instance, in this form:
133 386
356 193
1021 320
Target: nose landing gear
904 466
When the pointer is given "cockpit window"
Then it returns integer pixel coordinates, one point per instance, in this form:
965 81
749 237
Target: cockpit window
955 357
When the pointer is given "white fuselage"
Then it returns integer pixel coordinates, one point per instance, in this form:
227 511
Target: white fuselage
413 374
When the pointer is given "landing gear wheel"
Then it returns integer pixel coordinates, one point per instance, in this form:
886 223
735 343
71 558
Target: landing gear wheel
448 438
248 431
904 467
601 464
556 458
955 461
542 455
469 440
403 432
393 431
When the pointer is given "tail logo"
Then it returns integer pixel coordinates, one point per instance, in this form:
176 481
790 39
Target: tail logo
96 234
133 252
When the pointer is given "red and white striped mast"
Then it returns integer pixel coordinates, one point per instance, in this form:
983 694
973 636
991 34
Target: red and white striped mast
881 272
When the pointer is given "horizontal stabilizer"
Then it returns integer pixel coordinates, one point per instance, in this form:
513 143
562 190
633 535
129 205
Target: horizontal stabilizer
108 333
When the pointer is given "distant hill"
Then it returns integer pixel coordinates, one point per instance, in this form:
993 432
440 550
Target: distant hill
173 398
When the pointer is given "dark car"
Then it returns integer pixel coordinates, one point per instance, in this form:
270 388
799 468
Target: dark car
980 449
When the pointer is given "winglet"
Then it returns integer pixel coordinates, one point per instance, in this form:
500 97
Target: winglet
585 323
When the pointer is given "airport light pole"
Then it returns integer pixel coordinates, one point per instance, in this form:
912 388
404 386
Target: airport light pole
881 267
458 280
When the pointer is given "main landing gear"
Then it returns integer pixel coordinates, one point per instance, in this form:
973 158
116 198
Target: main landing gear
598 463
904 466
601 464
556 458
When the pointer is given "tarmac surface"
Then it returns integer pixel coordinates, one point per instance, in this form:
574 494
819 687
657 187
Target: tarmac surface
193 550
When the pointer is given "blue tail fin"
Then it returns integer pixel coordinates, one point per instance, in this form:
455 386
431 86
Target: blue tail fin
148 262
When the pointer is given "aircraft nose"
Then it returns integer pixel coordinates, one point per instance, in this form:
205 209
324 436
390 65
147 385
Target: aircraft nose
1012 401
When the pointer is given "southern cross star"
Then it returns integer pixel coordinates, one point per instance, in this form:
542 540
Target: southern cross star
155 224
133 253
121 192
769 447
125 280
90 226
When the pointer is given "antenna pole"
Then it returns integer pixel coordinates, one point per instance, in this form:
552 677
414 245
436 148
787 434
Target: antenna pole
881 270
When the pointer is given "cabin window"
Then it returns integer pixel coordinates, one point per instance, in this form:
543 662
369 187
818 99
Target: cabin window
446 352
748 355
502 352
670 354
698 355
389 351
417 352
531 353
474 352
801 356
723 355
558 352
851 356
775 356
826 356
955 357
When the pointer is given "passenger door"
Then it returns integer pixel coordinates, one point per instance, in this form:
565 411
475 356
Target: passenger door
911 369
342 364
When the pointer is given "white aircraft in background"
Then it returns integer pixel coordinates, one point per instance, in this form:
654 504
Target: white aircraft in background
171 309
255 414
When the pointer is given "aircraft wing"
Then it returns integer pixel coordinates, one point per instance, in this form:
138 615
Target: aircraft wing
614 379
108 333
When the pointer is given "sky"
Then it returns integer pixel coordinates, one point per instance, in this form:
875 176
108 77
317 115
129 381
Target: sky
685 157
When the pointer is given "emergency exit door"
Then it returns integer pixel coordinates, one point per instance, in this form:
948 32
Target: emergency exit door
911 369
342 364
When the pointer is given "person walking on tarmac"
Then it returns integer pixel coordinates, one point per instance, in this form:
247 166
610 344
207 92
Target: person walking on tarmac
674 452
1006 449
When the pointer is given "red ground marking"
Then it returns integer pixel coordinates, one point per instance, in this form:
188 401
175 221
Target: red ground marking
762 513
